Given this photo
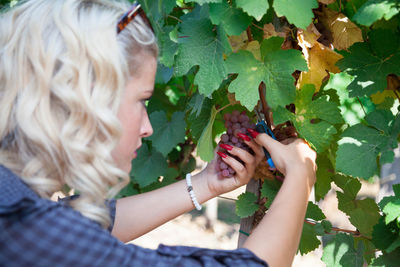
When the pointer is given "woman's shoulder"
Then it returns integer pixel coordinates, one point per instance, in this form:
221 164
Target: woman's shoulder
14 193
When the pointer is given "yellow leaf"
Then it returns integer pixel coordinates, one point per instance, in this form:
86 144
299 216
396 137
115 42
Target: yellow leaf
254 48
380 96
344 32
320 60
308 38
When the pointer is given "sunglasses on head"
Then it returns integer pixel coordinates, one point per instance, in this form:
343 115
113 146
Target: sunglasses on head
135 10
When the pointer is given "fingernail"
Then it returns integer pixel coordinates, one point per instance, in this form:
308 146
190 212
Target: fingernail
253 132
225 146
222 155
244 137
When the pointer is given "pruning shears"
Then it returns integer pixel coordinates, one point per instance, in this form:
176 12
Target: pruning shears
262 127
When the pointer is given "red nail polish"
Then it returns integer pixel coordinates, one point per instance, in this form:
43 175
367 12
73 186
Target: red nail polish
225 146
222 155
253 132
244 137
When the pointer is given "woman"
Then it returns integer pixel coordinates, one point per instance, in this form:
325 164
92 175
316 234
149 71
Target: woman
72 93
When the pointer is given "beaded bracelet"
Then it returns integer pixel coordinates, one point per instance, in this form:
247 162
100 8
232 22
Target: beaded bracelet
191 192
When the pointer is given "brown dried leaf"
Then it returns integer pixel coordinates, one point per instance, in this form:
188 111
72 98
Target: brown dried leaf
262 171
232 99
269 31
344 32
393 82
238 41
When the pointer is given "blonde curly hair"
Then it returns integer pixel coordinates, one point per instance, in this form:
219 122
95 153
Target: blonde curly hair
63 70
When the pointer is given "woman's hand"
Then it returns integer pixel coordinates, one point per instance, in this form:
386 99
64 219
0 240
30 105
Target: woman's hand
244 172
292 155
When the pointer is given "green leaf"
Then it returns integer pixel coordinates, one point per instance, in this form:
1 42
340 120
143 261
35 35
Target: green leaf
318 134
309 240
387 259
156 10
255 8
327 226
339 83
341 252
199 122
357 152
349 185
168 178
269 190
205 148
276 72
297 12
364 59
365 218
392 210
200 45
396 190
314 212
383 235
374 10
167 134
324 177
323 227
246 205
380 119
233 20
148 166
168 48
128 190
163 75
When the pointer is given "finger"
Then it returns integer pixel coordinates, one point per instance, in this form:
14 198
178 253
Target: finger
245 156
266 141
238 167
256 148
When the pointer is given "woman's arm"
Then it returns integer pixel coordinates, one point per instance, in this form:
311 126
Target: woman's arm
139 214
277 237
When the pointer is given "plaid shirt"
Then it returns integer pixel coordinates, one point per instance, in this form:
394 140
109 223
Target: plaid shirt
38 232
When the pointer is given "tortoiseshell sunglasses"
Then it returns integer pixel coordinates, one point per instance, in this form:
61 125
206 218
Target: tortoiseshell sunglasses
135 10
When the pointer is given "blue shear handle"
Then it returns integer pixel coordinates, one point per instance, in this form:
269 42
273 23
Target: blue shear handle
262 127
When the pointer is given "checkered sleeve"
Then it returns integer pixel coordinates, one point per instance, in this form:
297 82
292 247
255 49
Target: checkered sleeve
50 234
38 232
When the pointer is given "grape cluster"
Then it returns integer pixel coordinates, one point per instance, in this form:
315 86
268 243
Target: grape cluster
235 123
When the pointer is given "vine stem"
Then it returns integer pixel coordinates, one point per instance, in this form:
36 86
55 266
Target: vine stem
224 107
362 106
249 34
337 229
258 27
170 16
265 107
397 95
